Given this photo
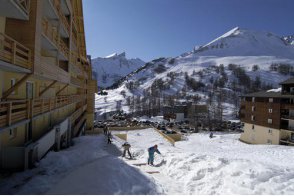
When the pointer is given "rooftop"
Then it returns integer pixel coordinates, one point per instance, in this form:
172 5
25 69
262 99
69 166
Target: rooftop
288 81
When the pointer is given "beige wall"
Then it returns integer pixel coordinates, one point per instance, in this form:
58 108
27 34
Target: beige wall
260 135
19 139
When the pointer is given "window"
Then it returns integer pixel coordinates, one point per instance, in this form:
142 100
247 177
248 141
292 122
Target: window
269 141
252 117
253 99
271 100
252 126
12 83
270 131
270 121
253 108
12 133
270 110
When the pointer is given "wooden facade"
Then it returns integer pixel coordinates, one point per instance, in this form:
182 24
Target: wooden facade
45 74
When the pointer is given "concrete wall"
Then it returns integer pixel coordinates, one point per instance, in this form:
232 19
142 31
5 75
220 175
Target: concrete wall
260 135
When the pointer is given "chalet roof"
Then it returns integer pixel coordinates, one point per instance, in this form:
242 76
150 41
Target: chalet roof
268 94
288 81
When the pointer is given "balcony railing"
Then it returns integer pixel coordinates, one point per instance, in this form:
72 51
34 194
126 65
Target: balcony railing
74 61
50 31
56 5
77 82
78 113
63 48
15 111
13 52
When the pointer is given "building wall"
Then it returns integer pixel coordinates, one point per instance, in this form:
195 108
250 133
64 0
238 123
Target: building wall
262 114
7 140
260 135
2 24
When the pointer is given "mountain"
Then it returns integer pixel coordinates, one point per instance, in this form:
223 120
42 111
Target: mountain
109 69
238 62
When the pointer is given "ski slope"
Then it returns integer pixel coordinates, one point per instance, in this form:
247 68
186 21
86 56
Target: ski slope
198 165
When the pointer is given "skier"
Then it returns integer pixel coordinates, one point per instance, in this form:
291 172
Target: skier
109 136
127 147
105 129
211 135
151 152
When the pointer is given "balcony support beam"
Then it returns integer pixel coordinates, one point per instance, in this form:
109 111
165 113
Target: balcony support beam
62 89
47 88
16 86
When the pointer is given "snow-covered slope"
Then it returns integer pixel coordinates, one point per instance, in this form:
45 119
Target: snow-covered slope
242 42
258 54
109 69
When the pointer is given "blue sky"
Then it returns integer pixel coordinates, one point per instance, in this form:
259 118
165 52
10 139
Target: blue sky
150 29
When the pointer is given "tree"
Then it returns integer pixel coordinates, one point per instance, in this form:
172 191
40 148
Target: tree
255 68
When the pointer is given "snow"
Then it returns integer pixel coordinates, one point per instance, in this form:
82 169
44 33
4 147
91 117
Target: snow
198 165
111 55
277 90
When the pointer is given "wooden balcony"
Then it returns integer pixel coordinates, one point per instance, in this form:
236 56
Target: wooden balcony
14 53
50 31
63 48
51 71
78 67
77 82
62 17
15 111
78 113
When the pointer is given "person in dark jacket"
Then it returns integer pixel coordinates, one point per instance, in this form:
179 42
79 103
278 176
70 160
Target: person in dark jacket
211 135
109 136
105 130
151 152
127 147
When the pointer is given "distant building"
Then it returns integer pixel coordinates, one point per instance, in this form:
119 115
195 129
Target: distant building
185 111
268 116
197 114
175 113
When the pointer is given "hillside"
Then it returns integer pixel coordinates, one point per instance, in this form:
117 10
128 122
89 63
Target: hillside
238 62
110 69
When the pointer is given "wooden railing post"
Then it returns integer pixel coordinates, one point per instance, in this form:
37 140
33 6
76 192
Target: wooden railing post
32 108
42 106
49 104
9 113
13 47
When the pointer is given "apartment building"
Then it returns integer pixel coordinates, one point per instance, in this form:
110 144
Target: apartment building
46 85
268 116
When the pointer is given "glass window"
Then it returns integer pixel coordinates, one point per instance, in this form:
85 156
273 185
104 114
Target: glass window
269 121
252 118
270 110
12 83
270 100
